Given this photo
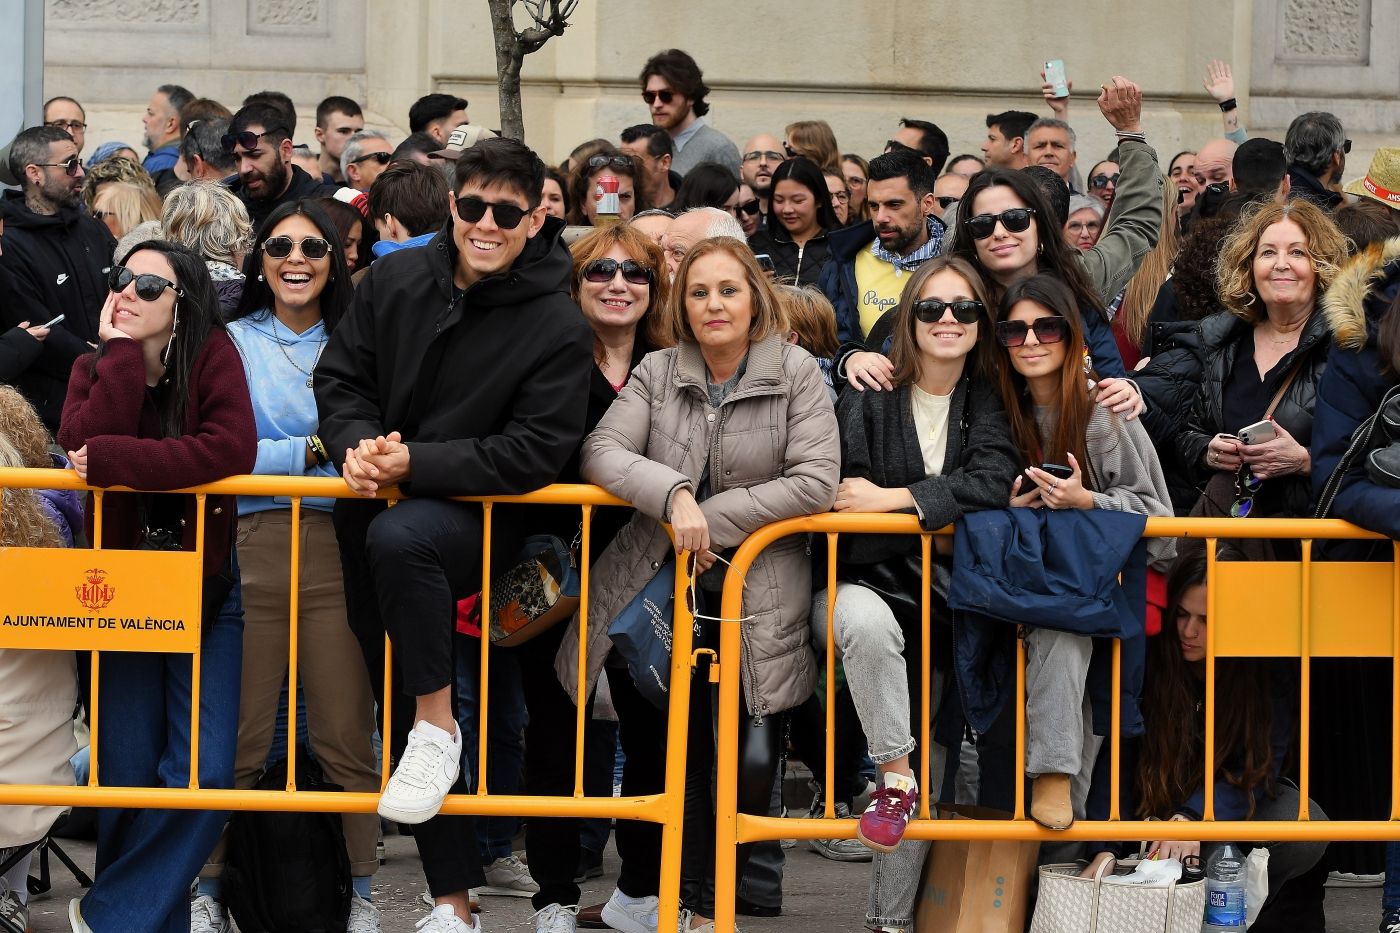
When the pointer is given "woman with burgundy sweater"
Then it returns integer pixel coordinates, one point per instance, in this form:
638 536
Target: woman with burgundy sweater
162 404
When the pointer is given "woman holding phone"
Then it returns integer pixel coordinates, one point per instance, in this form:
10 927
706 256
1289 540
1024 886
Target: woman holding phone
938 446
1048 389
1264 359
162 404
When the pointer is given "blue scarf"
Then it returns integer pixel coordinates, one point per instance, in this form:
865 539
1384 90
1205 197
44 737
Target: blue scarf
930 249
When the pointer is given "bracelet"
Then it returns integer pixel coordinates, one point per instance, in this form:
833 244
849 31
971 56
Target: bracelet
1140 137
1227 105
318 450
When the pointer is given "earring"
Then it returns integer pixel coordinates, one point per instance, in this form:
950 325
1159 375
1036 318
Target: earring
1040 248
260 276
1088 362
174 326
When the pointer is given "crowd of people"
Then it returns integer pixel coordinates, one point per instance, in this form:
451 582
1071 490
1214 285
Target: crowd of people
724 337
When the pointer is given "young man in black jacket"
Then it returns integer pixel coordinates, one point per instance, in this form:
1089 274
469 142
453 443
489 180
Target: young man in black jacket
461 370
54 260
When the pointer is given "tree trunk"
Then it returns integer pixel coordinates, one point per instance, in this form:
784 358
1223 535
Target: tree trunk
509 56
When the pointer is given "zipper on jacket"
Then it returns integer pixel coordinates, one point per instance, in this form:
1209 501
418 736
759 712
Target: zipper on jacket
797 276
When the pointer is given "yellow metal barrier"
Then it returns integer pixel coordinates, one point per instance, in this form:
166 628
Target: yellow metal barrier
1307 610
665 808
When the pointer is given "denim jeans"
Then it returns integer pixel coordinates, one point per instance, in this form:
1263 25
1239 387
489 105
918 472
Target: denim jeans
881 664
146 858
505 737
1390 891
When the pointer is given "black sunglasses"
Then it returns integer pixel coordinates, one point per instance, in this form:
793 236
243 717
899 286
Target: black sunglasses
1014 219
148 287
1047 330
68 125
506 215
946 201
603 270
1103 181
787 147
750 207
72 168
605 161
651 96
381 157
894 145
312 247
1346 146
1246 487
965 311
247 139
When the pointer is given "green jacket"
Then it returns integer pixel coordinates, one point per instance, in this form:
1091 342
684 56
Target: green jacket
1133 225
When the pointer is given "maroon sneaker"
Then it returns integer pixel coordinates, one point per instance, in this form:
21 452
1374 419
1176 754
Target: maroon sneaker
883 822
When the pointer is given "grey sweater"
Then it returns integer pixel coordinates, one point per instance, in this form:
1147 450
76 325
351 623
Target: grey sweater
707 145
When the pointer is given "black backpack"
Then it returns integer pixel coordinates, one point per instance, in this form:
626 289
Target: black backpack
288 872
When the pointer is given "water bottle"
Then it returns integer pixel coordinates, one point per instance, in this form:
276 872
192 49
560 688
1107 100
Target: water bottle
1225 891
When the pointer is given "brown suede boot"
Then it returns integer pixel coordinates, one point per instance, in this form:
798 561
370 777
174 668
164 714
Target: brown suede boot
1050 803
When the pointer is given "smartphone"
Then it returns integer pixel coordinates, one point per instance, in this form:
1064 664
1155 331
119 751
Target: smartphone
1258 433
1055 77
55 321
1057 470
765 262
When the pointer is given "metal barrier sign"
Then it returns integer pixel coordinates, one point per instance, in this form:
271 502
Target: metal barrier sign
79 600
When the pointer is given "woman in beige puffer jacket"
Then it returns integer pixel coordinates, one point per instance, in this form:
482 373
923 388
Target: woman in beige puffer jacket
720 435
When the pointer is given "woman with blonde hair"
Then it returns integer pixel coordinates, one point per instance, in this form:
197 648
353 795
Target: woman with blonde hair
1130 324
122 205
117 168
210 221
38 693
1264 358
729 430
813 139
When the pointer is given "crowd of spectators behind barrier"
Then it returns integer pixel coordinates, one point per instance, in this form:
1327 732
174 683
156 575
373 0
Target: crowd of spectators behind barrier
724 336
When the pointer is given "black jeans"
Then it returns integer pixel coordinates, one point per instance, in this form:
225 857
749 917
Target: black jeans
807 732
760 743
405 568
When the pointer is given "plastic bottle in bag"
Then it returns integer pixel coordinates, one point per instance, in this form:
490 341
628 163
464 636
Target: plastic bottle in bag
1225 890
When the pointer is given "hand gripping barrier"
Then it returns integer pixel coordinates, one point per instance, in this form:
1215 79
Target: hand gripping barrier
1298 609
74 586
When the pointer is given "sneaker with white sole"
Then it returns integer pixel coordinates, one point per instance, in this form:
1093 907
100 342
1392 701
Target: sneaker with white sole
426 899
838 850
556 918
444 919
508 877
364 916
75 916
208 916
14 916
631 914
426 772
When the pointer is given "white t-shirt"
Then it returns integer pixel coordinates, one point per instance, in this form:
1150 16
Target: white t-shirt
931 424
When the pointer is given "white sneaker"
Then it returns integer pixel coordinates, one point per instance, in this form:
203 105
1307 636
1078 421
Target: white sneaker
508 877
208 916
444 919
364 917
556 918
425 773
683 923
631 914
75 916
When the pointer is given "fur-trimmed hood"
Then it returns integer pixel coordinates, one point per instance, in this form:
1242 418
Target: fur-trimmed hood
1345 301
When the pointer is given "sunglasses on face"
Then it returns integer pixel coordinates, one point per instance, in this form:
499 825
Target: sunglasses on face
604 161
1047 330
946 201
603 270
763 155
506 215
381 157
1346 146
965 311
787 147
247 139
312 247
894 145
1103 181
69 125
750 207
72 168
1246 487
148 287
1015 220
651 96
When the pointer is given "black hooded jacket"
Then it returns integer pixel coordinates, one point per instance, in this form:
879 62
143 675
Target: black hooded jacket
52 264
489 386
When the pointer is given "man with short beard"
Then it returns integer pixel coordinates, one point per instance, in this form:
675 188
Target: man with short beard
262 147
161 128
54 261
762 156
870 261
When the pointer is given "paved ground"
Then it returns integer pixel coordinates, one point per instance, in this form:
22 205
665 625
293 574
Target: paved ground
819 895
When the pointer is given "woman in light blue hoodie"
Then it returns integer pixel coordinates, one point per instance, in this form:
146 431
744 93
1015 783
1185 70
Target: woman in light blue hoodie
297 289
